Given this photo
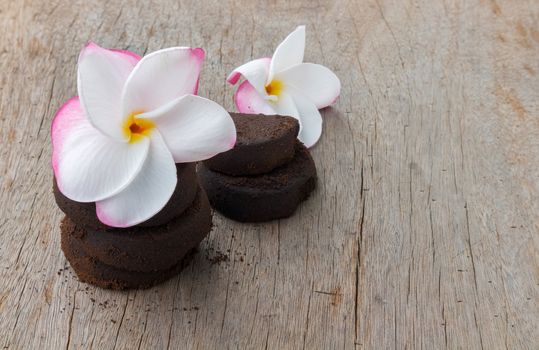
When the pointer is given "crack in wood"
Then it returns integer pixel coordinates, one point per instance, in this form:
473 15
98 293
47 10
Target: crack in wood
121 321
71 320
307 317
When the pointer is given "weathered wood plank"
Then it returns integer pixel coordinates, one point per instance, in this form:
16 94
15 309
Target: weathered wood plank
423 232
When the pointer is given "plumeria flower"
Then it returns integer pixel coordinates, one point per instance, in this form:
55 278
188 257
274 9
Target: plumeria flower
284 85
116 144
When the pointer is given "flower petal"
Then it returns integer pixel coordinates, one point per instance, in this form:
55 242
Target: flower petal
314 81
130 55
147 194
194 128
88 165
101 77
256 72
310 120
285 105
162 77
288 53
248 100
303 109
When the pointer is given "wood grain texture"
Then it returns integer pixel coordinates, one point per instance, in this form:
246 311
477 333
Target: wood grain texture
424 229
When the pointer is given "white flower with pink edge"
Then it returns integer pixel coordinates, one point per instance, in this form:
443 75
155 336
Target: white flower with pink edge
284 85
117 143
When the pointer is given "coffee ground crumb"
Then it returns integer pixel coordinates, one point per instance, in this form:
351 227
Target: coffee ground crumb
218 258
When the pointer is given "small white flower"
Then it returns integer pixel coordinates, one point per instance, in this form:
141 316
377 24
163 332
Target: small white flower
117 142
284 85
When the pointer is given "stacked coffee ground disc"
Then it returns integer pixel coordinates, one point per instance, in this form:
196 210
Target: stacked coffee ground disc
142 255
265 176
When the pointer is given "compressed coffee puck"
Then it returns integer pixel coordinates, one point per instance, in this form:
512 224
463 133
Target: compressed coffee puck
144 249
84 214
91 270
264 197
264 142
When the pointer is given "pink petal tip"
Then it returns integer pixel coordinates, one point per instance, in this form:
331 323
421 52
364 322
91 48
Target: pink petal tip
198 53
233 78
107 220
91 45
58 128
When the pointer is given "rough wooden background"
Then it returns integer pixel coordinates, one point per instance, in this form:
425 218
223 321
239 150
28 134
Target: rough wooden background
423 232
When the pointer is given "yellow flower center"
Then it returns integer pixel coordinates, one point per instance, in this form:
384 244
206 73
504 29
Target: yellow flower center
274 88
136 128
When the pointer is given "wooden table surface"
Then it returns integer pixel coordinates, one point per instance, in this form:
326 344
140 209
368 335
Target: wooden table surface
423 232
